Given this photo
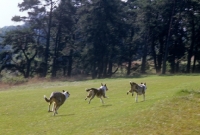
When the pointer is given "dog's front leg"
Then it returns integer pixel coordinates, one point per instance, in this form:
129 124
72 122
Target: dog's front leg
132 93
101 100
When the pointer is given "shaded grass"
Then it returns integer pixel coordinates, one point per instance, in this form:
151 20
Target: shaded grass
171 107
179 116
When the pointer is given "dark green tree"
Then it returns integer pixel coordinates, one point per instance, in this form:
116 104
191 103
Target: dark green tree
40 18
24 48
191 14
63 36
100 25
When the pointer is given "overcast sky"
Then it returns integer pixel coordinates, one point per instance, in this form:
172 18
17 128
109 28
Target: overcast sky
8 9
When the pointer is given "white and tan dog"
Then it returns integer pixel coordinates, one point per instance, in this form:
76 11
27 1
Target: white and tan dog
99 92
56 99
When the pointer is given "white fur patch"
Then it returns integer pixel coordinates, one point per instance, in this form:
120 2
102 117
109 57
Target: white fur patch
103 87
66 94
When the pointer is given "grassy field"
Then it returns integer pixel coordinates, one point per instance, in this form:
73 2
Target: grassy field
172 107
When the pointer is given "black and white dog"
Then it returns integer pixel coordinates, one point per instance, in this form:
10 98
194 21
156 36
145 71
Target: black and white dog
139 89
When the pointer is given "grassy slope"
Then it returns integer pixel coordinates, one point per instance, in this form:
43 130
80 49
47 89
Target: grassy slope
165 111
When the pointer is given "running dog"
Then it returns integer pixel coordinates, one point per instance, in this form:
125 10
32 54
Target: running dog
139 89
56 99
99 92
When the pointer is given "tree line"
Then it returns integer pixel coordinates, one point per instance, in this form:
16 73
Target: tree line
96 37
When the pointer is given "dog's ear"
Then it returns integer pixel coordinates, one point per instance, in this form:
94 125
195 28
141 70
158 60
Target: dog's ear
104 84
63 90
145 84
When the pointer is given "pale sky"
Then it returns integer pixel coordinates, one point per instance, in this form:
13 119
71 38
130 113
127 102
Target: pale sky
8 9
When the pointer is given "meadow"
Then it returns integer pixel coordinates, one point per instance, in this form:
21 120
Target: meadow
172 107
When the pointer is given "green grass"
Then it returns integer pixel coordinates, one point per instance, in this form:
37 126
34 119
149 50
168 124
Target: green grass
172 106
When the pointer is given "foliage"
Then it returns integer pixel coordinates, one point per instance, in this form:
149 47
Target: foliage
13 78
98 37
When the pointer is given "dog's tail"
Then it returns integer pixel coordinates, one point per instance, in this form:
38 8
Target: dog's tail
94 89
46 99
87 90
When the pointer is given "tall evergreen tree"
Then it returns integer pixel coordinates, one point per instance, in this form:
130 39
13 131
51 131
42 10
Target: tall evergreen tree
63 36
100 25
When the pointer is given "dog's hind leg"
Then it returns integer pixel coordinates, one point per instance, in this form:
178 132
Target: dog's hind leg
91 98
136 98
49 106
53 104
54 109
89 95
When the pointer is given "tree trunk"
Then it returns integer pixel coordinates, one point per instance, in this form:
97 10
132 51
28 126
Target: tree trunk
130 54
56 50
105 71
177 66
144 58
129 66
53 71
48 41
154 54
100 69
28 65
94 72
160 55
168 39
190 51
70 62
110 65
173 64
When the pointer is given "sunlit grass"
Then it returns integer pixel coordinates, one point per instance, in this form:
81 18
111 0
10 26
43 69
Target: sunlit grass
172 106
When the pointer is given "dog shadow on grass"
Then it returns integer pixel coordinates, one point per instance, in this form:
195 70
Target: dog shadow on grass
107 105
64 115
